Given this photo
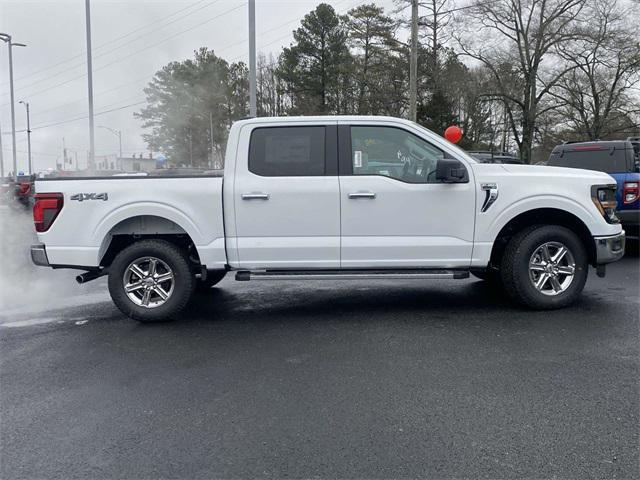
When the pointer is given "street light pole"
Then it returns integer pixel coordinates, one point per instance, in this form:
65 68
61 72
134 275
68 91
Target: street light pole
413 63
117 133
26 104
92 150
6 38
253 111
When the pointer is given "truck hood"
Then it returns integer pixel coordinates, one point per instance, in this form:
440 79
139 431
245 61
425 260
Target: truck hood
559 173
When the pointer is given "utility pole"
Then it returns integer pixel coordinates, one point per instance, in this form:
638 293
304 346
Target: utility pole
413 63
211 136
253 110
504 128
92 150
6 38
1 156
26 105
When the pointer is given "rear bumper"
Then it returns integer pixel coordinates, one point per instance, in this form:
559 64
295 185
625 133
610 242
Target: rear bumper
609 249
39 255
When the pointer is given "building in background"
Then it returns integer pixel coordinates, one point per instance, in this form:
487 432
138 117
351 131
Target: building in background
136 163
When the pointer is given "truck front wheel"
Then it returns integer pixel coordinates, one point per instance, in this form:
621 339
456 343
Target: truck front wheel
545 267
151 280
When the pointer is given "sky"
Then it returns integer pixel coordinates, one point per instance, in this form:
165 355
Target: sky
131 41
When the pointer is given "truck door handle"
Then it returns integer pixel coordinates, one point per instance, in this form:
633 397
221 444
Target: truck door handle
362 195
255 196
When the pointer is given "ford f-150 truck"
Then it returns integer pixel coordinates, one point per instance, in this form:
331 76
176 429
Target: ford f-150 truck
332 198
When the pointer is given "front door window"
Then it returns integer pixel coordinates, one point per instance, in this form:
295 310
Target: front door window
393 152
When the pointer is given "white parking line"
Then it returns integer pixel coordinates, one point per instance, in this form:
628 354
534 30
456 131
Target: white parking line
29 323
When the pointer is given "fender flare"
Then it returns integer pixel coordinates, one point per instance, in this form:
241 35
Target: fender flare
539 202
139 209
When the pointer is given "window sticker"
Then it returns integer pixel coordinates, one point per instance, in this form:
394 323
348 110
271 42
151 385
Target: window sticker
357 159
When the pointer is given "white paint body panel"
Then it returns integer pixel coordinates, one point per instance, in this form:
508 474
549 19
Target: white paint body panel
81 233
406 224
298 226
308 222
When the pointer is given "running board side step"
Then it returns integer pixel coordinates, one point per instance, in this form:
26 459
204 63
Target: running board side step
246 275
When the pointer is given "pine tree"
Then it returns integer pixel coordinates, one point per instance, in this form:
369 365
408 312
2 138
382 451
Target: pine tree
313 67
371 35
184 98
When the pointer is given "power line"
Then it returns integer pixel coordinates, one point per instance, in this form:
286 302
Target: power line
226 47
97 94
81 64
289 34
62 62
277 27
83 117
8 149
102 67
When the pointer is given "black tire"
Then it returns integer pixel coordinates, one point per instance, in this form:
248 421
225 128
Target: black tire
183 280
515 267
213 278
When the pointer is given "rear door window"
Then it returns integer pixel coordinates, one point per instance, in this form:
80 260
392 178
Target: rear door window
287 151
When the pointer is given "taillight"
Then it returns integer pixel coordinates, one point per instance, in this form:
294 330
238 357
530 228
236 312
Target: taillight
46 209
630 192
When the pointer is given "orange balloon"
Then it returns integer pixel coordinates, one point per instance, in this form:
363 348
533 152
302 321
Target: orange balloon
453 134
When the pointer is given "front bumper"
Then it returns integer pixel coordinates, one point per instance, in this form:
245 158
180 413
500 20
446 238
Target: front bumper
609 249
39 255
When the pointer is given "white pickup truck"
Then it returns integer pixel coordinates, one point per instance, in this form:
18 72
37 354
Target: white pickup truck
332 198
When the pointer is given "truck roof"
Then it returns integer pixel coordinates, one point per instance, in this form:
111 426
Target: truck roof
325 118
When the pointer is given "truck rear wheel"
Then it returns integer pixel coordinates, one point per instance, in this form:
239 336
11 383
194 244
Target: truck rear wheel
545 267
151 281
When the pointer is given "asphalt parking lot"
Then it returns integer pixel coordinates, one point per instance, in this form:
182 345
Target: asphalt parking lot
316 380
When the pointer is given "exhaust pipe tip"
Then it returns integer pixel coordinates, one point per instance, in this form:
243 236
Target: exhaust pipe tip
90 275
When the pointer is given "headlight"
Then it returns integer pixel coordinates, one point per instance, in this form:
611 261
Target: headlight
604 198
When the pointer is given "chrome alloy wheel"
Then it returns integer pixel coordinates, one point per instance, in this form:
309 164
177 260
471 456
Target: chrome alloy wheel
148 282
552 268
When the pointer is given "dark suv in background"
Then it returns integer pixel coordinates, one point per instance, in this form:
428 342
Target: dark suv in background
494 157
618 158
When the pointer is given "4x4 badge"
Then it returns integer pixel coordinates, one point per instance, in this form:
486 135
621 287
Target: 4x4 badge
81 197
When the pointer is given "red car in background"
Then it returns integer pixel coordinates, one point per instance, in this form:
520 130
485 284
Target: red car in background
19 191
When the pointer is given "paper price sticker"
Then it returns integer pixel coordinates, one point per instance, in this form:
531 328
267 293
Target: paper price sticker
357 159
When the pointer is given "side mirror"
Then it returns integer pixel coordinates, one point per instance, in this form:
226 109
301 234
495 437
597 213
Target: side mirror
451 171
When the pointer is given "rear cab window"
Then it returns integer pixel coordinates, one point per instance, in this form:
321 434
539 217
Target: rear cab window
288 151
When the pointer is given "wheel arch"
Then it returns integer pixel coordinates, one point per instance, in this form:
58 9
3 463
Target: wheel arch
144 226
542 216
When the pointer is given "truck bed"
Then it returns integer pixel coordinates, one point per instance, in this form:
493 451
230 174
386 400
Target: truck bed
140 205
